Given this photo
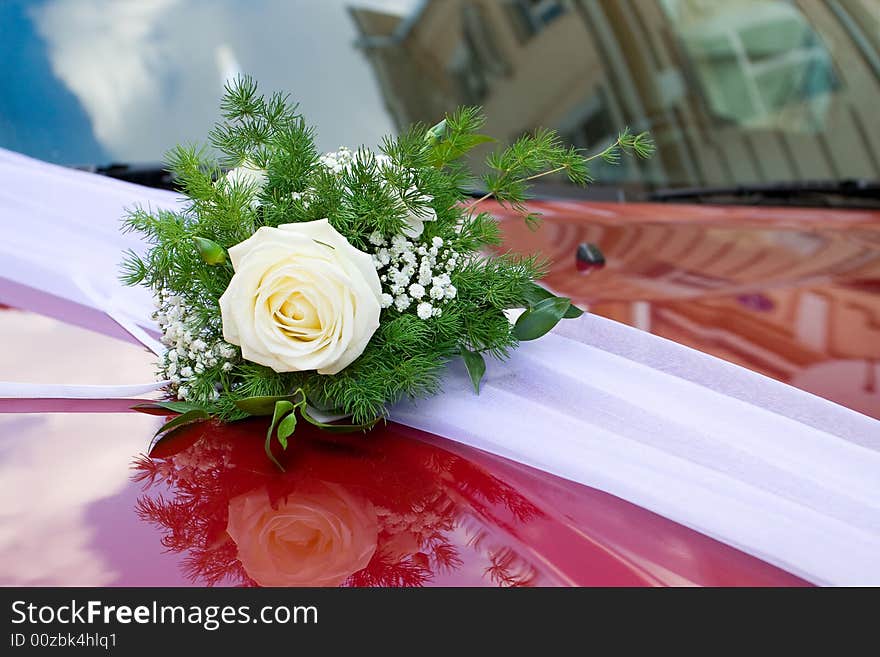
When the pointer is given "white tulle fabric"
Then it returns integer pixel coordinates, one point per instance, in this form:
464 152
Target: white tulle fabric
774 471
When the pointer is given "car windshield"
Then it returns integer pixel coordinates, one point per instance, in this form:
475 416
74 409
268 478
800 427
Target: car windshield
735 93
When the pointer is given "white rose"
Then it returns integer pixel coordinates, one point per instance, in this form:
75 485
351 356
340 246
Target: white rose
302 298
247 174
415 223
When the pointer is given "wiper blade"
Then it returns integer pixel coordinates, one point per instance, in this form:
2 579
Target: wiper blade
822 193
148 174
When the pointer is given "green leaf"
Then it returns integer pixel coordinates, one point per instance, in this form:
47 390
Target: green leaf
476 366
535 294
447 151
195 415
211 252
338 428
436 132
573 312
282 407
540 318
266 405
175 441
286 428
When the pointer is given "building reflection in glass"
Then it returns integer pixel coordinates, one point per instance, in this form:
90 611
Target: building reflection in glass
739 91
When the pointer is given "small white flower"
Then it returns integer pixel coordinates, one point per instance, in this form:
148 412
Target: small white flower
437 242
186 372
416 291
424 310
387 300
402 302
377 238
451 291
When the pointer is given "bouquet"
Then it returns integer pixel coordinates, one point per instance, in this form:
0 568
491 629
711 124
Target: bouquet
319 288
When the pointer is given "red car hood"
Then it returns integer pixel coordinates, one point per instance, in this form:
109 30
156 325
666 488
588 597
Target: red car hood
785 292
791 293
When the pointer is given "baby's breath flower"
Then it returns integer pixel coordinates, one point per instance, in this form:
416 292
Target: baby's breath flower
410 270
192 352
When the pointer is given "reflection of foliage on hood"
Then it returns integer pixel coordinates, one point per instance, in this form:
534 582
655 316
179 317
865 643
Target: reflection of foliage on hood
419 494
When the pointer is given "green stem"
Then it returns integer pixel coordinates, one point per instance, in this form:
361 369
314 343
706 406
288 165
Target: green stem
603 153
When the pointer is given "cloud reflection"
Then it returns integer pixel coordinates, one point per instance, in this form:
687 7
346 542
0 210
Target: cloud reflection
149 73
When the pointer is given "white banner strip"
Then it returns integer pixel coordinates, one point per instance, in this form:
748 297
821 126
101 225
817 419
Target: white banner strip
106 304
13 390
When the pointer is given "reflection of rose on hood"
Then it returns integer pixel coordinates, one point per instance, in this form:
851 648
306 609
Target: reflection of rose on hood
317 536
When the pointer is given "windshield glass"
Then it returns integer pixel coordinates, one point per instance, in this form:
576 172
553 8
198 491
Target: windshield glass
734 92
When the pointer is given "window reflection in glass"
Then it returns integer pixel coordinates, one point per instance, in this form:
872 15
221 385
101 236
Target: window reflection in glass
741 91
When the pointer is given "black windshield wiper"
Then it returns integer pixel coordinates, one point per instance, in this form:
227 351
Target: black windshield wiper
820 193
150 175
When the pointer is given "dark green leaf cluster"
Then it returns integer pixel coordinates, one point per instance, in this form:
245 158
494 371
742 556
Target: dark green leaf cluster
530 157
543 153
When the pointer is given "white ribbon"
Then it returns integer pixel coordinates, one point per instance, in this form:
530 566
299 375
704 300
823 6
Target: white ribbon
788 477
11 390
777 472
107 305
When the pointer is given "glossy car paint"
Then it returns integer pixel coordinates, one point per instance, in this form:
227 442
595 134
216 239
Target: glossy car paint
84 503
792 293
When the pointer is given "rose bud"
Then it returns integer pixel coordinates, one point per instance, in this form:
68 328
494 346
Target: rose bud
211 252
